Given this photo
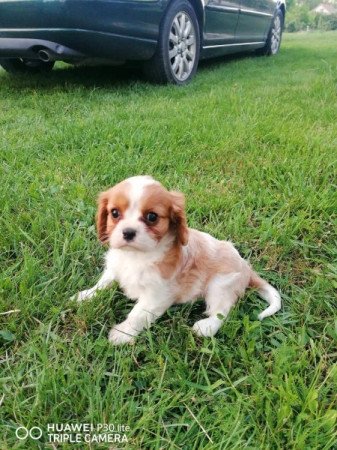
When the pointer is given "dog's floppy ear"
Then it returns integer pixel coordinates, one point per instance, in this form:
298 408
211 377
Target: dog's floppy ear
178 217
102 217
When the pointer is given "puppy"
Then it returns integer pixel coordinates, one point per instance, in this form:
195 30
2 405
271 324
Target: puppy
158 261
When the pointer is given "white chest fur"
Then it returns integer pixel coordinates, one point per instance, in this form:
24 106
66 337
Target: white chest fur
134 271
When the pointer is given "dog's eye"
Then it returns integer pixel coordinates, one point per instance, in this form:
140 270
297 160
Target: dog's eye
151 217
115 213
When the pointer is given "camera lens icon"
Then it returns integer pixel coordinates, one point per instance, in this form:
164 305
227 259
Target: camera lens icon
34 433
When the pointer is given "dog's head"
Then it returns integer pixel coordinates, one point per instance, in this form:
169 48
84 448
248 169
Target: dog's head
139 213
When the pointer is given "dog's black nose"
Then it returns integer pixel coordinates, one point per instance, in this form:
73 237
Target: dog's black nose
129 234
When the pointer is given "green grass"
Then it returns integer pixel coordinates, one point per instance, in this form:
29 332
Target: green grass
252 142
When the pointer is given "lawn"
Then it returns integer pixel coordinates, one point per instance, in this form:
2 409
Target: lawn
252 142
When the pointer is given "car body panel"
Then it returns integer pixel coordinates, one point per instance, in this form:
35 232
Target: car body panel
221 19
255 18
117 17
88 44
122 30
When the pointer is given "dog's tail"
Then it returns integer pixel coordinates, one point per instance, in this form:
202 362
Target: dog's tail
268 293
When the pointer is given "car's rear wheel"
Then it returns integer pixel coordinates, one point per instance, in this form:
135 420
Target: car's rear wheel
274 38
177 55
21 65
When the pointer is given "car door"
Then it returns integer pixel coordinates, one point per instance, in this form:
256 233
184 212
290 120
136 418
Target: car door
221 19
254 20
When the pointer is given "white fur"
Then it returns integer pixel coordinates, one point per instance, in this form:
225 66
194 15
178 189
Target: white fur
133 270
207 327
220 298
272 296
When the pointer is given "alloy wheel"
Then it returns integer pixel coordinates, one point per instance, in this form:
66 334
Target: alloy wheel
182 46
276 33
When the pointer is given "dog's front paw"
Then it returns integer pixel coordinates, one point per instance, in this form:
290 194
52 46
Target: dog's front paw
122 333
83 295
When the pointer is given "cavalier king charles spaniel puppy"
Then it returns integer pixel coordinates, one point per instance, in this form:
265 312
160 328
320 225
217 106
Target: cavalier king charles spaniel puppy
158 261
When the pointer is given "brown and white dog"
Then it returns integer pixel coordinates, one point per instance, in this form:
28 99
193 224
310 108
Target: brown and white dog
159 261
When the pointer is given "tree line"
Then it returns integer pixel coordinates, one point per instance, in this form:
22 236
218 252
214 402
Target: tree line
300 16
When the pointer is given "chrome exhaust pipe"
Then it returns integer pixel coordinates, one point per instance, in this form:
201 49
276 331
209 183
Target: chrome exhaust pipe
45 55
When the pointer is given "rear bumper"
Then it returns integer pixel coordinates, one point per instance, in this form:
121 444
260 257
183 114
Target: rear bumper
115 29
28 48
69 45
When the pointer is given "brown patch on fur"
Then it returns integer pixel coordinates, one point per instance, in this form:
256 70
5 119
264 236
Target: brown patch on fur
206 263
178 216
114 198
102 217
202 260
256 282
170 209
171 261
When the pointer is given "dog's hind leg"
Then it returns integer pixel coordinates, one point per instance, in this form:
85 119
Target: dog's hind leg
221 295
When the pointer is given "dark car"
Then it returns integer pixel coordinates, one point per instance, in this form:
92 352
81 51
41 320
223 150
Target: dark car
167 36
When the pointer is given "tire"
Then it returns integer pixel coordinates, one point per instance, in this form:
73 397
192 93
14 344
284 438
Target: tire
274 38
18 65
177 54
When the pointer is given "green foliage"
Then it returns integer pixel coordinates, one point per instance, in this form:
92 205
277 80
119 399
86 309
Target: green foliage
298 19
290 4
310 4
252 143
301 17
326 23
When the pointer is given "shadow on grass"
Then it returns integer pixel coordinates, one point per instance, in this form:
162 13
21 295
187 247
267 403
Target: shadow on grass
81 76
65 76
100 76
